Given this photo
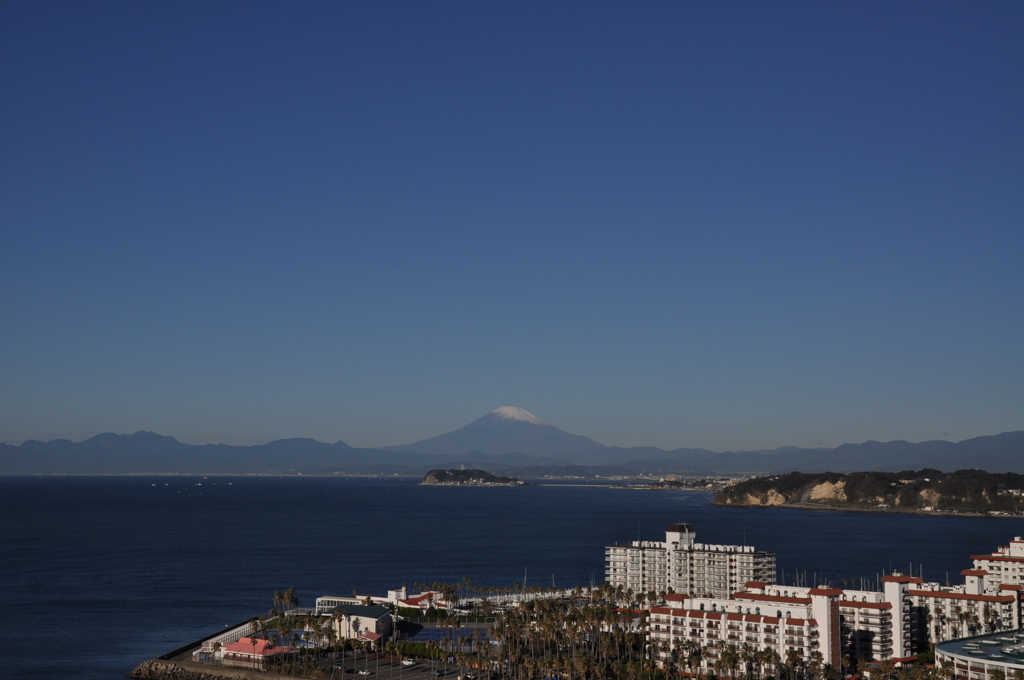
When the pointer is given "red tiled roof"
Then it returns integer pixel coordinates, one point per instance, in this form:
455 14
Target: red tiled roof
998 558
963 596
1011 586
417 600
262 648
825 591
974 572
772 598
755 584
372 637
901 579
867 605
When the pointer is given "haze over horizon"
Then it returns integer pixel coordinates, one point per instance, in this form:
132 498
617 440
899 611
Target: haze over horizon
730 226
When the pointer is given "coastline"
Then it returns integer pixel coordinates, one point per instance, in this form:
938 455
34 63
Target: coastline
890 511
160 669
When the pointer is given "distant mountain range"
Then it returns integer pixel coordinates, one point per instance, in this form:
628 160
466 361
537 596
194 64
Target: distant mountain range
509 440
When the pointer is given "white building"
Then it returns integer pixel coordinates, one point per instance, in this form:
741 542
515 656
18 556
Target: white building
823 624
352 621
898 622
1005 565
980 605
395 596
806 623
681 565
979 658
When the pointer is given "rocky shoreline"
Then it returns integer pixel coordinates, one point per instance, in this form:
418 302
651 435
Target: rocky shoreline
851 508
158 669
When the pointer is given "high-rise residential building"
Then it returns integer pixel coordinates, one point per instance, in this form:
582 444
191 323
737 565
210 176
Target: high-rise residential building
1005 565
681 565
825 624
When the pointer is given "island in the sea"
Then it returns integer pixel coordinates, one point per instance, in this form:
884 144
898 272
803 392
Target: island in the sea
928 490
469 478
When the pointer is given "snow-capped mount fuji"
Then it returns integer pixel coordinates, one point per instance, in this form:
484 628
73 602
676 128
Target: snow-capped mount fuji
516 413
505 430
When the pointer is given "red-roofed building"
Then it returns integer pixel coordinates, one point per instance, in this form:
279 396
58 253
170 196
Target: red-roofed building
1005 565
781 621
895 623
250 652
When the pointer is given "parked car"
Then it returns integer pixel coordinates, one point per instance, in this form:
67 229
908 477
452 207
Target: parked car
408 662
366 671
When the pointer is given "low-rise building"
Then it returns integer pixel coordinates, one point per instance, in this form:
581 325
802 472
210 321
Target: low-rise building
982 657
250 652
351 621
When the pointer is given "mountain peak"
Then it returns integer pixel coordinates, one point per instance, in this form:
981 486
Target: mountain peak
516 413
505 430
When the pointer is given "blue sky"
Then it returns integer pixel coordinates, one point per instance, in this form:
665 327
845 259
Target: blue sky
721 225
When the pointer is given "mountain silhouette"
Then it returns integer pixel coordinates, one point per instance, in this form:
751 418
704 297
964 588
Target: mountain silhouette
509 440
506 430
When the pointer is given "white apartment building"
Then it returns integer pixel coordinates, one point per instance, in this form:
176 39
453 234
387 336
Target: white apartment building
1005 565
820 623
806 622
980 605
896 623
681 565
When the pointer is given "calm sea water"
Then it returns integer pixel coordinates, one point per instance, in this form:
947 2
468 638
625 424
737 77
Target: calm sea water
99 574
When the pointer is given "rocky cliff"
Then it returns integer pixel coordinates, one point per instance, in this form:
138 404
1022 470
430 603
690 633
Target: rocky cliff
925 490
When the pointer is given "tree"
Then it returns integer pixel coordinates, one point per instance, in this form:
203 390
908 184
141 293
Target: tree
793 660
729 659
253 641
815 666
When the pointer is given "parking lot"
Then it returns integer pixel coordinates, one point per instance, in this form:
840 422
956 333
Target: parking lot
387 667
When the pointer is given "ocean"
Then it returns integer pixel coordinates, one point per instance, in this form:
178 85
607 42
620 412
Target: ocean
100 573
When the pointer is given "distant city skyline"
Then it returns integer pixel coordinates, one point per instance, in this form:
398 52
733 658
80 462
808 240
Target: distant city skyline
733 226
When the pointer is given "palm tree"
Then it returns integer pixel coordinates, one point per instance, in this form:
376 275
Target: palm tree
729 659
814 667
793 661
747 658
959 613
253 641
772 659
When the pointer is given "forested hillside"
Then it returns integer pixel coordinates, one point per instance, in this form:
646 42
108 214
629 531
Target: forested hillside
925 490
